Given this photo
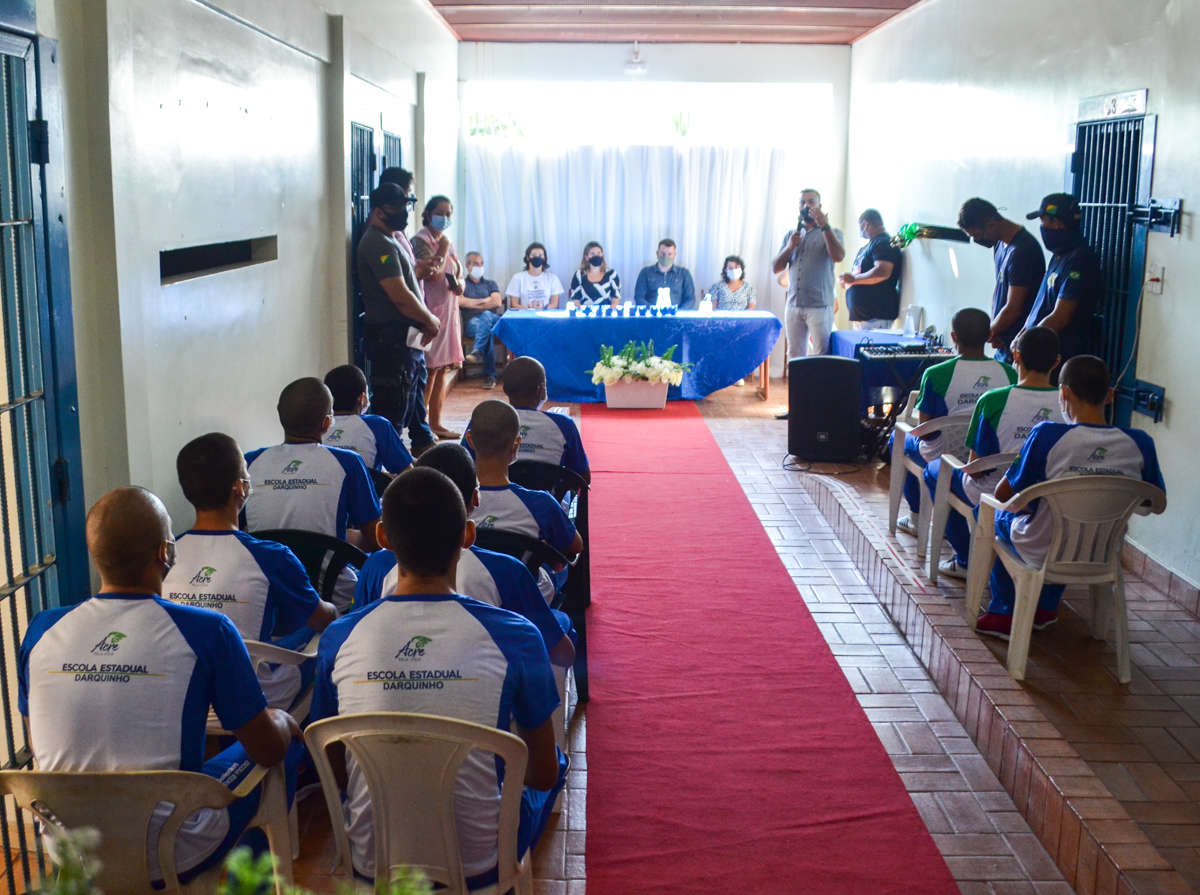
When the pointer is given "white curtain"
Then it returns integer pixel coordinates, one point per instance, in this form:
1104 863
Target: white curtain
712 200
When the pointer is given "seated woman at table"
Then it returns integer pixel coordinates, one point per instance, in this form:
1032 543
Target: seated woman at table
535 287
732 292
595 283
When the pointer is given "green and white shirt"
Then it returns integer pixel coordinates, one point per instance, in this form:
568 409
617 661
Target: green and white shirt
953 387
1002 421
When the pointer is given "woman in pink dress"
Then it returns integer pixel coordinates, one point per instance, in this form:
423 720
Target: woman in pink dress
443 286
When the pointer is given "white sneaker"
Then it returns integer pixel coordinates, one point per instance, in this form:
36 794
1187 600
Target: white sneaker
904 523
951 568
740 382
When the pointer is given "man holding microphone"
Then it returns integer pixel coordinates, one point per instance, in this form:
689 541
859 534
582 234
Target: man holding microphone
808 254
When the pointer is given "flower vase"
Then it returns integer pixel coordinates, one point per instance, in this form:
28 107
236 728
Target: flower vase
638 394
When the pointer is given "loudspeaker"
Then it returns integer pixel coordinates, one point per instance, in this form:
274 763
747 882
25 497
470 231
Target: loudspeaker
824 408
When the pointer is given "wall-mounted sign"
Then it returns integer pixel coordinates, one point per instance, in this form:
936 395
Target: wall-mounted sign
1114 105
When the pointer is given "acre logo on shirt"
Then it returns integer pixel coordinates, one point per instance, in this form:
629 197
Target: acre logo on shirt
1042 415
524 431
414 649
489 521
982 382
204 576
108 643
1097 455
294 466
335 435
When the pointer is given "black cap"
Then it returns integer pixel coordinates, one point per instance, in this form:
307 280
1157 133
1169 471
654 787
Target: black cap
1063 206
388 194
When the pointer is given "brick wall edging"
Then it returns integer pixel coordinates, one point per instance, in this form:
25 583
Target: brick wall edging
1097 846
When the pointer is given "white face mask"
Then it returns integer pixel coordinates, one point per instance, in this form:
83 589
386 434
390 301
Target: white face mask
733 273
477 272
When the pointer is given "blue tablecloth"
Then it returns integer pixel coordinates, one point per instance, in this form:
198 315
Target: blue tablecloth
724 346
844 342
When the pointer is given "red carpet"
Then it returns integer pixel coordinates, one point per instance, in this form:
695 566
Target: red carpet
726 751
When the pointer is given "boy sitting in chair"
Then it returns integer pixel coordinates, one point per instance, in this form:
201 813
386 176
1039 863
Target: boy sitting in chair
257 584
483 575
495 436
545 437
1083 445
501 673
1001 422
142 674
949 389
372 437
304 484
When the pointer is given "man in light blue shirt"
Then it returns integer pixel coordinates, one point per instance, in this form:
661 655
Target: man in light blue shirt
665 275
808 254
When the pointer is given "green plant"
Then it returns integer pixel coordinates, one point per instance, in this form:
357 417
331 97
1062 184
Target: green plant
248 875
76 864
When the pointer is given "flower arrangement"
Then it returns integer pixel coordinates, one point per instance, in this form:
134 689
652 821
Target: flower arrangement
637 363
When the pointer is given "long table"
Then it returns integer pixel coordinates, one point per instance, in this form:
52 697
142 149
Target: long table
724 346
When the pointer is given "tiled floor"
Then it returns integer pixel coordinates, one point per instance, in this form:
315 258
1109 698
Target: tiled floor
987 844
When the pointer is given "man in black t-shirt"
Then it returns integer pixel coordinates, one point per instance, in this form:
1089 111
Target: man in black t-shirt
873 286
396 322
1020 266
481 305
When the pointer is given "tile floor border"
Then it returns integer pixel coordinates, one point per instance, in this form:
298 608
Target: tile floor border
1085 830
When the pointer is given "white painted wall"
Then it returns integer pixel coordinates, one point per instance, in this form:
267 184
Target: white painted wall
755 64
958 98
187 125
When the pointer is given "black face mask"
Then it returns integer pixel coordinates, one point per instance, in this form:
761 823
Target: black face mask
986 243
596 260
537 262
397 220
1060 241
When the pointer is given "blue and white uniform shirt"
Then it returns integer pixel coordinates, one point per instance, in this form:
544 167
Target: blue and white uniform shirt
373 438
259 585
952 388
1062 450
440 655
310 487
535 514
551 438
483 575
124 682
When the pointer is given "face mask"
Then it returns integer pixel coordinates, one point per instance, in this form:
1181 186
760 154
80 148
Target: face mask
1064 408
596 260
397 220
171 555
980 241
477 272
537 262
665 260
733 273
1058 240
440 222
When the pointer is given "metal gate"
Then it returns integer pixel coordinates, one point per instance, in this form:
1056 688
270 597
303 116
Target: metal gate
362 177
30 573
392 151
1111 173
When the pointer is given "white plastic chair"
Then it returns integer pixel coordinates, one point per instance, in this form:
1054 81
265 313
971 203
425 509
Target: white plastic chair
119 806
953 430
410 763
945 500
1089 516
277 655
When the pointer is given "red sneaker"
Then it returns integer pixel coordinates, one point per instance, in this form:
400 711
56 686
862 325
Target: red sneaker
994 625
1044 618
